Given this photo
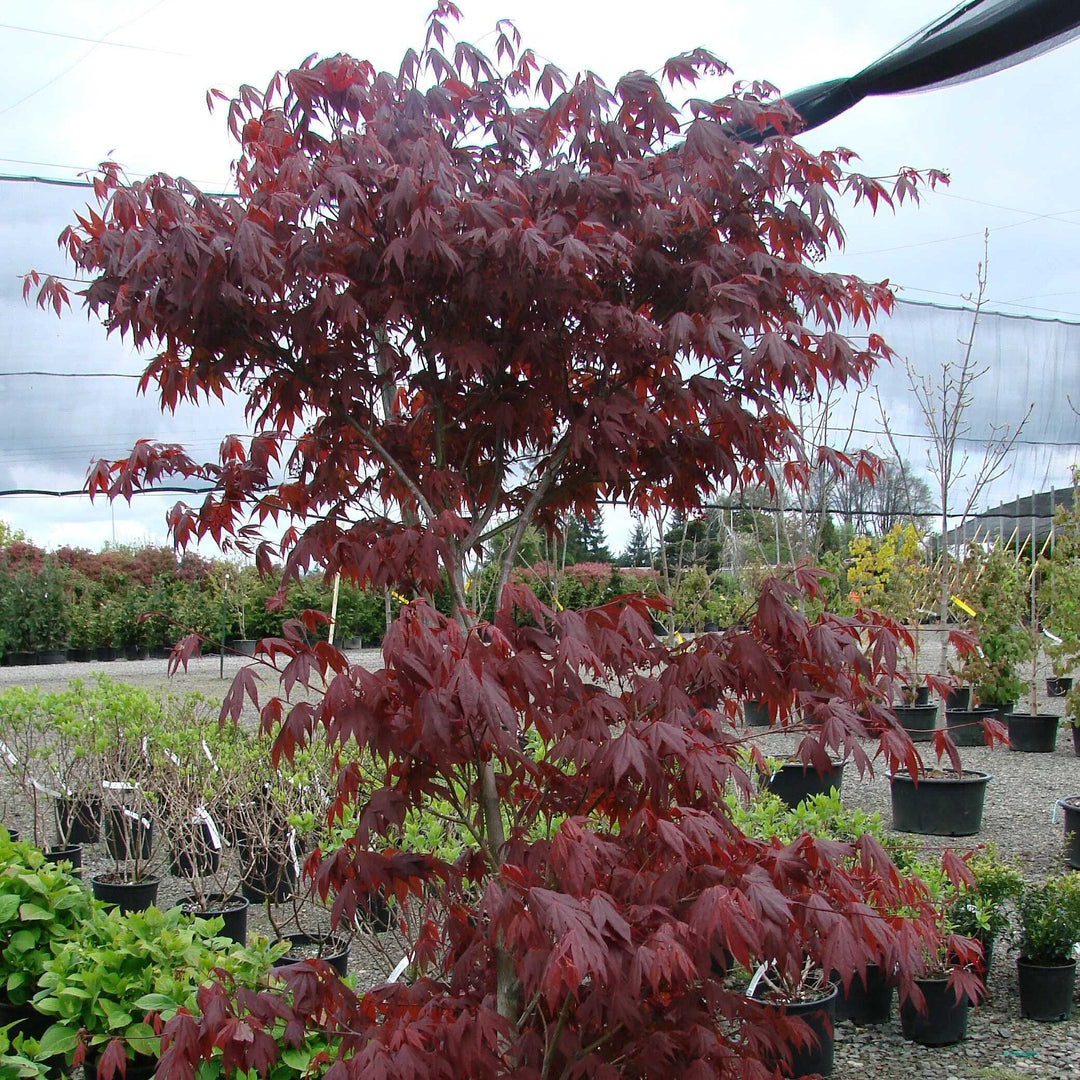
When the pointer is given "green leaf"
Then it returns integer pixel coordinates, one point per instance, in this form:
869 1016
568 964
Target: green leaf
33 913
116 1017
9 905
296 1058
23 940
58 1039
156 1003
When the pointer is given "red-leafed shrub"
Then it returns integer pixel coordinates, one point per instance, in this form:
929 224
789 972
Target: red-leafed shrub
466 298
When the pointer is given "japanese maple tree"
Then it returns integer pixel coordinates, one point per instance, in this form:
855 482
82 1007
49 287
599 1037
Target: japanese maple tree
461 299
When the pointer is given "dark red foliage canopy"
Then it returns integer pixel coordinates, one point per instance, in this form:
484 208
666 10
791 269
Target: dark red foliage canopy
461 299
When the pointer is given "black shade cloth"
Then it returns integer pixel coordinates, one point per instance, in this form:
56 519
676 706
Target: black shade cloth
974 39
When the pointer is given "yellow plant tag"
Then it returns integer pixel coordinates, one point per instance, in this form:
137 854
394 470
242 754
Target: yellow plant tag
962 606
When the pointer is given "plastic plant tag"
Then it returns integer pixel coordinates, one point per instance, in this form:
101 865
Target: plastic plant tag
9 757
755 981
209 756
38 786
292 852
135 816
203 815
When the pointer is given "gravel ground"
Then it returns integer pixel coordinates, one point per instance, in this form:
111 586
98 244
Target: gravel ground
1019 817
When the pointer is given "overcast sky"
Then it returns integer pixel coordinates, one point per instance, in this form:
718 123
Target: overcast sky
138 96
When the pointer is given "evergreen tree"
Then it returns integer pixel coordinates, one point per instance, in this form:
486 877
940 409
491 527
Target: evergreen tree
638 550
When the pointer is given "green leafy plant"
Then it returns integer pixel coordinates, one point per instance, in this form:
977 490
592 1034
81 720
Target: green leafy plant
981 910
107 987
1049 919
41 909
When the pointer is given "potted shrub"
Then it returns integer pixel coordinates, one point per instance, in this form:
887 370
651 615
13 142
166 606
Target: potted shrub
104 991
934 1009
197 774
980 910
810 998
1048 932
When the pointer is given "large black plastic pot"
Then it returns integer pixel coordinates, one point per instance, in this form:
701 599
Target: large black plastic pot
194 850
1058 686
1070 810
334 950
1032 734
943 803
819 1016
958 700
1075 737
945 1020
128 834
66 853
1046 990
232 910
919 721
756 713
78 819
266 875
126 895
966 726
865 1002
794 781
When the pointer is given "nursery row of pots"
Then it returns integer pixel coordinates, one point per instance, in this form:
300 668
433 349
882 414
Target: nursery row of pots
1042 917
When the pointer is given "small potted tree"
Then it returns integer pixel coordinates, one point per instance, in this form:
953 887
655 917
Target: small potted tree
1049 931
197 774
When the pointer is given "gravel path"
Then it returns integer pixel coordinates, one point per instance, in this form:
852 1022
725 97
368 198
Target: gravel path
1019 817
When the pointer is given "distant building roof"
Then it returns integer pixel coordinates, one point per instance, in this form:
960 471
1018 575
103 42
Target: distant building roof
1012 521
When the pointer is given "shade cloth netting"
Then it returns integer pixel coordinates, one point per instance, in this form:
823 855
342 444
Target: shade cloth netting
974 39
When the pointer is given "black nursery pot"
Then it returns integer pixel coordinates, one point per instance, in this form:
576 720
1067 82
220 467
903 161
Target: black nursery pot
966 726
950 804
78 820
232 910
128 833
945 1019
819 1016
1032 734
959 700
66 853
335 951
1070 809
919 721
793 781
756 713
266 875
128 896
1046 991
868 1002
195 854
